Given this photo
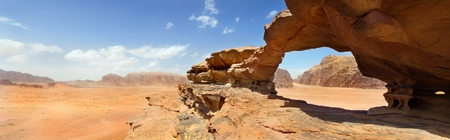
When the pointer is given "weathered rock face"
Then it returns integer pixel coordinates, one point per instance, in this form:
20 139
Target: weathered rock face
283 79
216 70
23 77
339 71
403 43
207 111
144 78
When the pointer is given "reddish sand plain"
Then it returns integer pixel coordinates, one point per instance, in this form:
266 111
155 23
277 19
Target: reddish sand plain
63 112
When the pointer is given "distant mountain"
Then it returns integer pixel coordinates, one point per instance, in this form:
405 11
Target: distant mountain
283 79
19 77
338 71
144 78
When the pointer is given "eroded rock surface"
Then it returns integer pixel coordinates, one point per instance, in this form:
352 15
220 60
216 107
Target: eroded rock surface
403 43
216 70
207 111
339 71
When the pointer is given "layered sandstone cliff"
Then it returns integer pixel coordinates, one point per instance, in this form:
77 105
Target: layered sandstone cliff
283 79
143 78
23 77
338 71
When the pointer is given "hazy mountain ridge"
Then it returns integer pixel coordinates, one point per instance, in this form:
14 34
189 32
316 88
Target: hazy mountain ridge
23 77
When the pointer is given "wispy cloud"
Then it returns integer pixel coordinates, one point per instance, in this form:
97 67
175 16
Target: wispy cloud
226 31
194 55
237 19
12 22
159 53
207 18
17 59
112 56
169 25
38 48
205 21
11 47
210 7
272 14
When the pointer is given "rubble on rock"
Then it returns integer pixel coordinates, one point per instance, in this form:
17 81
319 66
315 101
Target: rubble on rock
338 71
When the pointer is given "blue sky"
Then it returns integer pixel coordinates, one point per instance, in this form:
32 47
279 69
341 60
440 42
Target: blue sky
86 39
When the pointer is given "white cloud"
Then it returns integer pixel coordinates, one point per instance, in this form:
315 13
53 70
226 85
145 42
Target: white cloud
237 19
210 7
38 47
12 22
151 66
226 31
272 14
11 47
112 56
194 55
169 25
113 53
83 56
159 53
17 59
205 21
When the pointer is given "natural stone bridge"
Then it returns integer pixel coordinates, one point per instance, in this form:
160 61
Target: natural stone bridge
404 43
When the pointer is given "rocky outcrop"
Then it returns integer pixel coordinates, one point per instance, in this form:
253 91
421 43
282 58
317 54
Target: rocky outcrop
339 71
403 43
205 111
23 77
216 70
283 79
143 78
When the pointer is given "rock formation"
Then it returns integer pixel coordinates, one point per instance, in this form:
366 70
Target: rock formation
339 71
216 70
403 43
283 79
144 78
23 77
297 80
205 111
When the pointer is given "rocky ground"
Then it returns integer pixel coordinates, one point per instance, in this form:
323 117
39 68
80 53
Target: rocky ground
301 112
220 112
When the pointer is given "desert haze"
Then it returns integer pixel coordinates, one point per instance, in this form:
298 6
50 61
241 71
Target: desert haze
65 112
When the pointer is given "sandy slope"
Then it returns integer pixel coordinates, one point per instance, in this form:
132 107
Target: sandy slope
100 113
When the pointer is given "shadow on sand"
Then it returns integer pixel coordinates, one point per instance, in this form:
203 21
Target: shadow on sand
340 115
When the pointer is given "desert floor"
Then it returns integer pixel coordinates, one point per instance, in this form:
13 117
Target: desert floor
64 112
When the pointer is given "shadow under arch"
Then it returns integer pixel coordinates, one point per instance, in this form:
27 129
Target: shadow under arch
339 115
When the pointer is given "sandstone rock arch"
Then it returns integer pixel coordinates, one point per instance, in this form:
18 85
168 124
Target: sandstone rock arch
404 43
